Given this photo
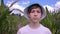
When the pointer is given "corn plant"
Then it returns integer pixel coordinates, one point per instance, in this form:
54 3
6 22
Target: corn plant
7 22
52 21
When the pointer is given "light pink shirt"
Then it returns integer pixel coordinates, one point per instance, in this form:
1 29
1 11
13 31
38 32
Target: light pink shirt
27 30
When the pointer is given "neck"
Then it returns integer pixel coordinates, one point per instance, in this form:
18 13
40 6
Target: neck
34 25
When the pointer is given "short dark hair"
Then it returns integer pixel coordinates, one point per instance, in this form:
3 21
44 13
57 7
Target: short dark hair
34 6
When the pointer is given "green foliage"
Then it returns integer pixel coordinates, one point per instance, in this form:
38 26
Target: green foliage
10 23
52 21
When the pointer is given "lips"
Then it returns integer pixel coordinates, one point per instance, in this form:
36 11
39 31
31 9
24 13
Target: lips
35 18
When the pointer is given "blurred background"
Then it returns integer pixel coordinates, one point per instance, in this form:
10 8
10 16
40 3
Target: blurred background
12 15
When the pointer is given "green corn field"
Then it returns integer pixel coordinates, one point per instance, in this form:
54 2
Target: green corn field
10 23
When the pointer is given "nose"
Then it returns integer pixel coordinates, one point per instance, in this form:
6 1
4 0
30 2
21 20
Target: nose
35 14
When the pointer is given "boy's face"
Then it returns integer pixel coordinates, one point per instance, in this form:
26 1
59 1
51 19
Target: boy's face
35 14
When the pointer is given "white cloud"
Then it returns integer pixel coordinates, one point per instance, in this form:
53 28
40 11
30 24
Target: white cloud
57 5
49 8
25 2
9 3
17 6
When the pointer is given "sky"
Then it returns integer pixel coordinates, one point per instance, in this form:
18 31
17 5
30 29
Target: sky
0 2
22 4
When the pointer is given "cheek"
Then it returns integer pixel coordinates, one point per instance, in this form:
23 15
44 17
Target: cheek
39 15
30 15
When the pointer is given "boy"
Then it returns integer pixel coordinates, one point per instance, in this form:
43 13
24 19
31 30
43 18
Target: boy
34 13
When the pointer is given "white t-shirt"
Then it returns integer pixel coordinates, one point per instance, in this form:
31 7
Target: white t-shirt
27 30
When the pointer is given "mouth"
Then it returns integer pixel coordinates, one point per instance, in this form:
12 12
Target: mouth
35 18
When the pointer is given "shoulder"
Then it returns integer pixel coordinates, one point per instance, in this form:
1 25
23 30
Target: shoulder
24 28
45 29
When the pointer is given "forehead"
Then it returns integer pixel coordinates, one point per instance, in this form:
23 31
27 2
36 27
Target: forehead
36 9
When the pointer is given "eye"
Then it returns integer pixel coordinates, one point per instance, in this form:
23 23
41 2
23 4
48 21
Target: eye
38 11
32 11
